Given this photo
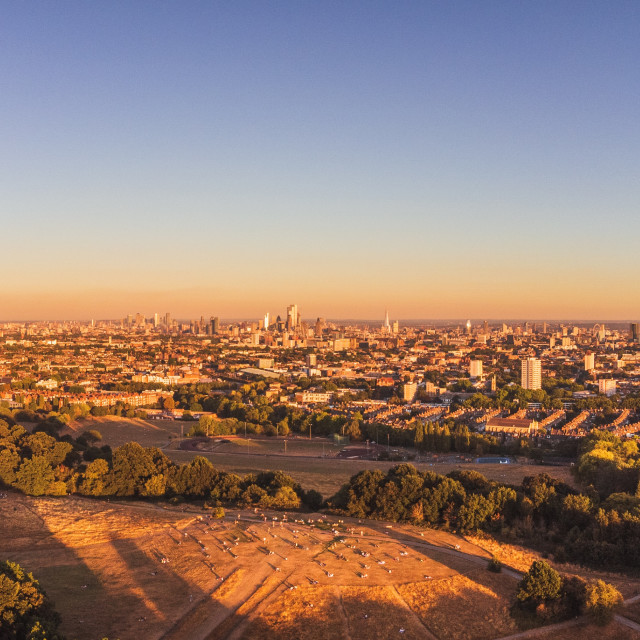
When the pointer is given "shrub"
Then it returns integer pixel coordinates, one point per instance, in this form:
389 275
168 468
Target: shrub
541 584
494 565
313 499
93 435
602 600
218 512
573 596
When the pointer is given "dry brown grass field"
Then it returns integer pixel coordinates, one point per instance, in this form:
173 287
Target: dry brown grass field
118 431
304 460
257 454
614 631
138 571
520 559
327 475
484 597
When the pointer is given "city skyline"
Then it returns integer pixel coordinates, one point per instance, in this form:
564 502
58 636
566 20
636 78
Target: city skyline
268 319
444 161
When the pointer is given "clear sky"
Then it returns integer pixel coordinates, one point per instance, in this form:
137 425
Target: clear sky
441 159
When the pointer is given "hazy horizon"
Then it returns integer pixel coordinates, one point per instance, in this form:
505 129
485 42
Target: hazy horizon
346 320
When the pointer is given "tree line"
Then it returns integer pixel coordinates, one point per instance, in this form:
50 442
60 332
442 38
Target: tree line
41 464
542 513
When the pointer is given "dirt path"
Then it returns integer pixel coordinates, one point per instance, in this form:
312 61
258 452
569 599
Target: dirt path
256 608
627 623
211 611
416 618
345 617
551 628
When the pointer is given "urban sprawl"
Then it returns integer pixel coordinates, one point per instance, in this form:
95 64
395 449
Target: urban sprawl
495 386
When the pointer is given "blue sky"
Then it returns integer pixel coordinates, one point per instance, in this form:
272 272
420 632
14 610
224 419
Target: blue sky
439 159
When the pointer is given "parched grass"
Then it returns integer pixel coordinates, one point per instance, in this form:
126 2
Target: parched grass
117 431
509 555
133 570
100 563
301 614
303 460
377 613
230 584
484 597
613 631
273 446
323 475
520 559
226 627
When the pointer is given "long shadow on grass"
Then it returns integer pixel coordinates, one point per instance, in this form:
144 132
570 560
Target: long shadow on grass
102 585
476 602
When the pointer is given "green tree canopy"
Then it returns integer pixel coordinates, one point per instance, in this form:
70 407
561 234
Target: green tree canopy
602 601
542 583
25 611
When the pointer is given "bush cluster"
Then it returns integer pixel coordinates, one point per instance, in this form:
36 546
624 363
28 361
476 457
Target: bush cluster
547 596
542 512
40 464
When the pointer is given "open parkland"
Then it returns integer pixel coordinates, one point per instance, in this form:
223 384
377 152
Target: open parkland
131 570
157 571
315 463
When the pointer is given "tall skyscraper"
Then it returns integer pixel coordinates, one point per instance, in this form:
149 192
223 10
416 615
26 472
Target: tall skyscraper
215 324
635 332
292 316
531 374
387 325
266 321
